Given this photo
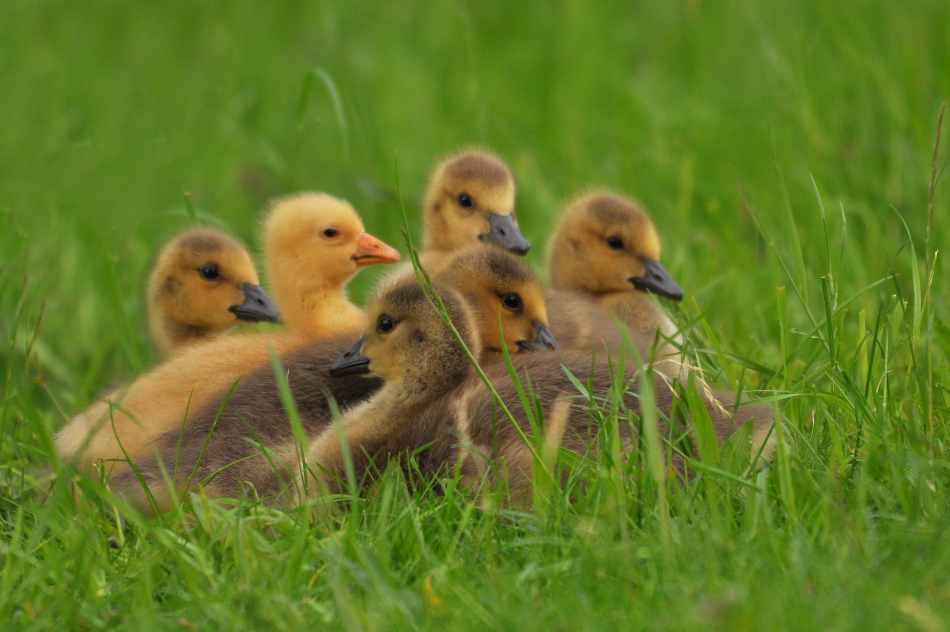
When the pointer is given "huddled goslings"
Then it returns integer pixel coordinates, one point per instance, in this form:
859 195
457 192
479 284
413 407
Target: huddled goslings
253 418
212 415
430 397
314 244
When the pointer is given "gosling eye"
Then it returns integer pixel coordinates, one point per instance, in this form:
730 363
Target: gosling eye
385 324
512 302
465 200
330 233
210 272
615 242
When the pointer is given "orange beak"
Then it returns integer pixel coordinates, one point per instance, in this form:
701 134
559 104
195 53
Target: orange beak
370 250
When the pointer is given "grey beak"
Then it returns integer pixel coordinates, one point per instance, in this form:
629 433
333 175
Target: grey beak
257 307
543 340
658 281
352 362
504 232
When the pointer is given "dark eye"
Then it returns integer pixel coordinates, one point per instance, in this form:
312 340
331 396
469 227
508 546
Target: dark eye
209 272
385 325
512 302
465 200
615 242
330 232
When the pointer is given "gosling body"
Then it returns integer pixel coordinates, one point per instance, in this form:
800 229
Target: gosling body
464 430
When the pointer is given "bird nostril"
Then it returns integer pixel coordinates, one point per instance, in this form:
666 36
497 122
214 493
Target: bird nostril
502 233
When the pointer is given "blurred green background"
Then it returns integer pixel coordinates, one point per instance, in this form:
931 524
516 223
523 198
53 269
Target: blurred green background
110 110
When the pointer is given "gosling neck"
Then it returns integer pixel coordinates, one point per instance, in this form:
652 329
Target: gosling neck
170 335
638 309
439 237
319 310
396 404
433 245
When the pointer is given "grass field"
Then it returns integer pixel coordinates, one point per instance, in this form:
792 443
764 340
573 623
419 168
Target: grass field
786 150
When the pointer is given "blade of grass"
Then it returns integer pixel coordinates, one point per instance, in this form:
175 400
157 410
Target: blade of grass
189 207
204 447
915 280
705 434
310 79
933 181
770 242
796 242
301 442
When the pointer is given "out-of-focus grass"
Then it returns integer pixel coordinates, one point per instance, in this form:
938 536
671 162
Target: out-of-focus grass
731 121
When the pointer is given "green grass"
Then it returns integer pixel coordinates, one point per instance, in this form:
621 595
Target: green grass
786 151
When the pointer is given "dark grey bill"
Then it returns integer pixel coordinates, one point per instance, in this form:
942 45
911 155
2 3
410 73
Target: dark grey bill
504 232
257 307
352 362
543 340
658 281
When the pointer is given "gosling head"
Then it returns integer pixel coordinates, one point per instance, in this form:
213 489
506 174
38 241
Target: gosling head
606 243
407 344
471 198
204 283
315 242
499 287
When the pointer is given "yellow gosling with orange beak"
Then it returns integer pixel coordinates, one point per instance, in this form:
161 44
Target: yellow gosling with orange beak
315 243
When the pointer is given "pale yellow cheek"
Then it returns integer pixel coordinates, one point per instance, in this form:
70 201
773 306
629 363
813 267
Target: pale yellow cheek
635 267
389 372
371 349
477 224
